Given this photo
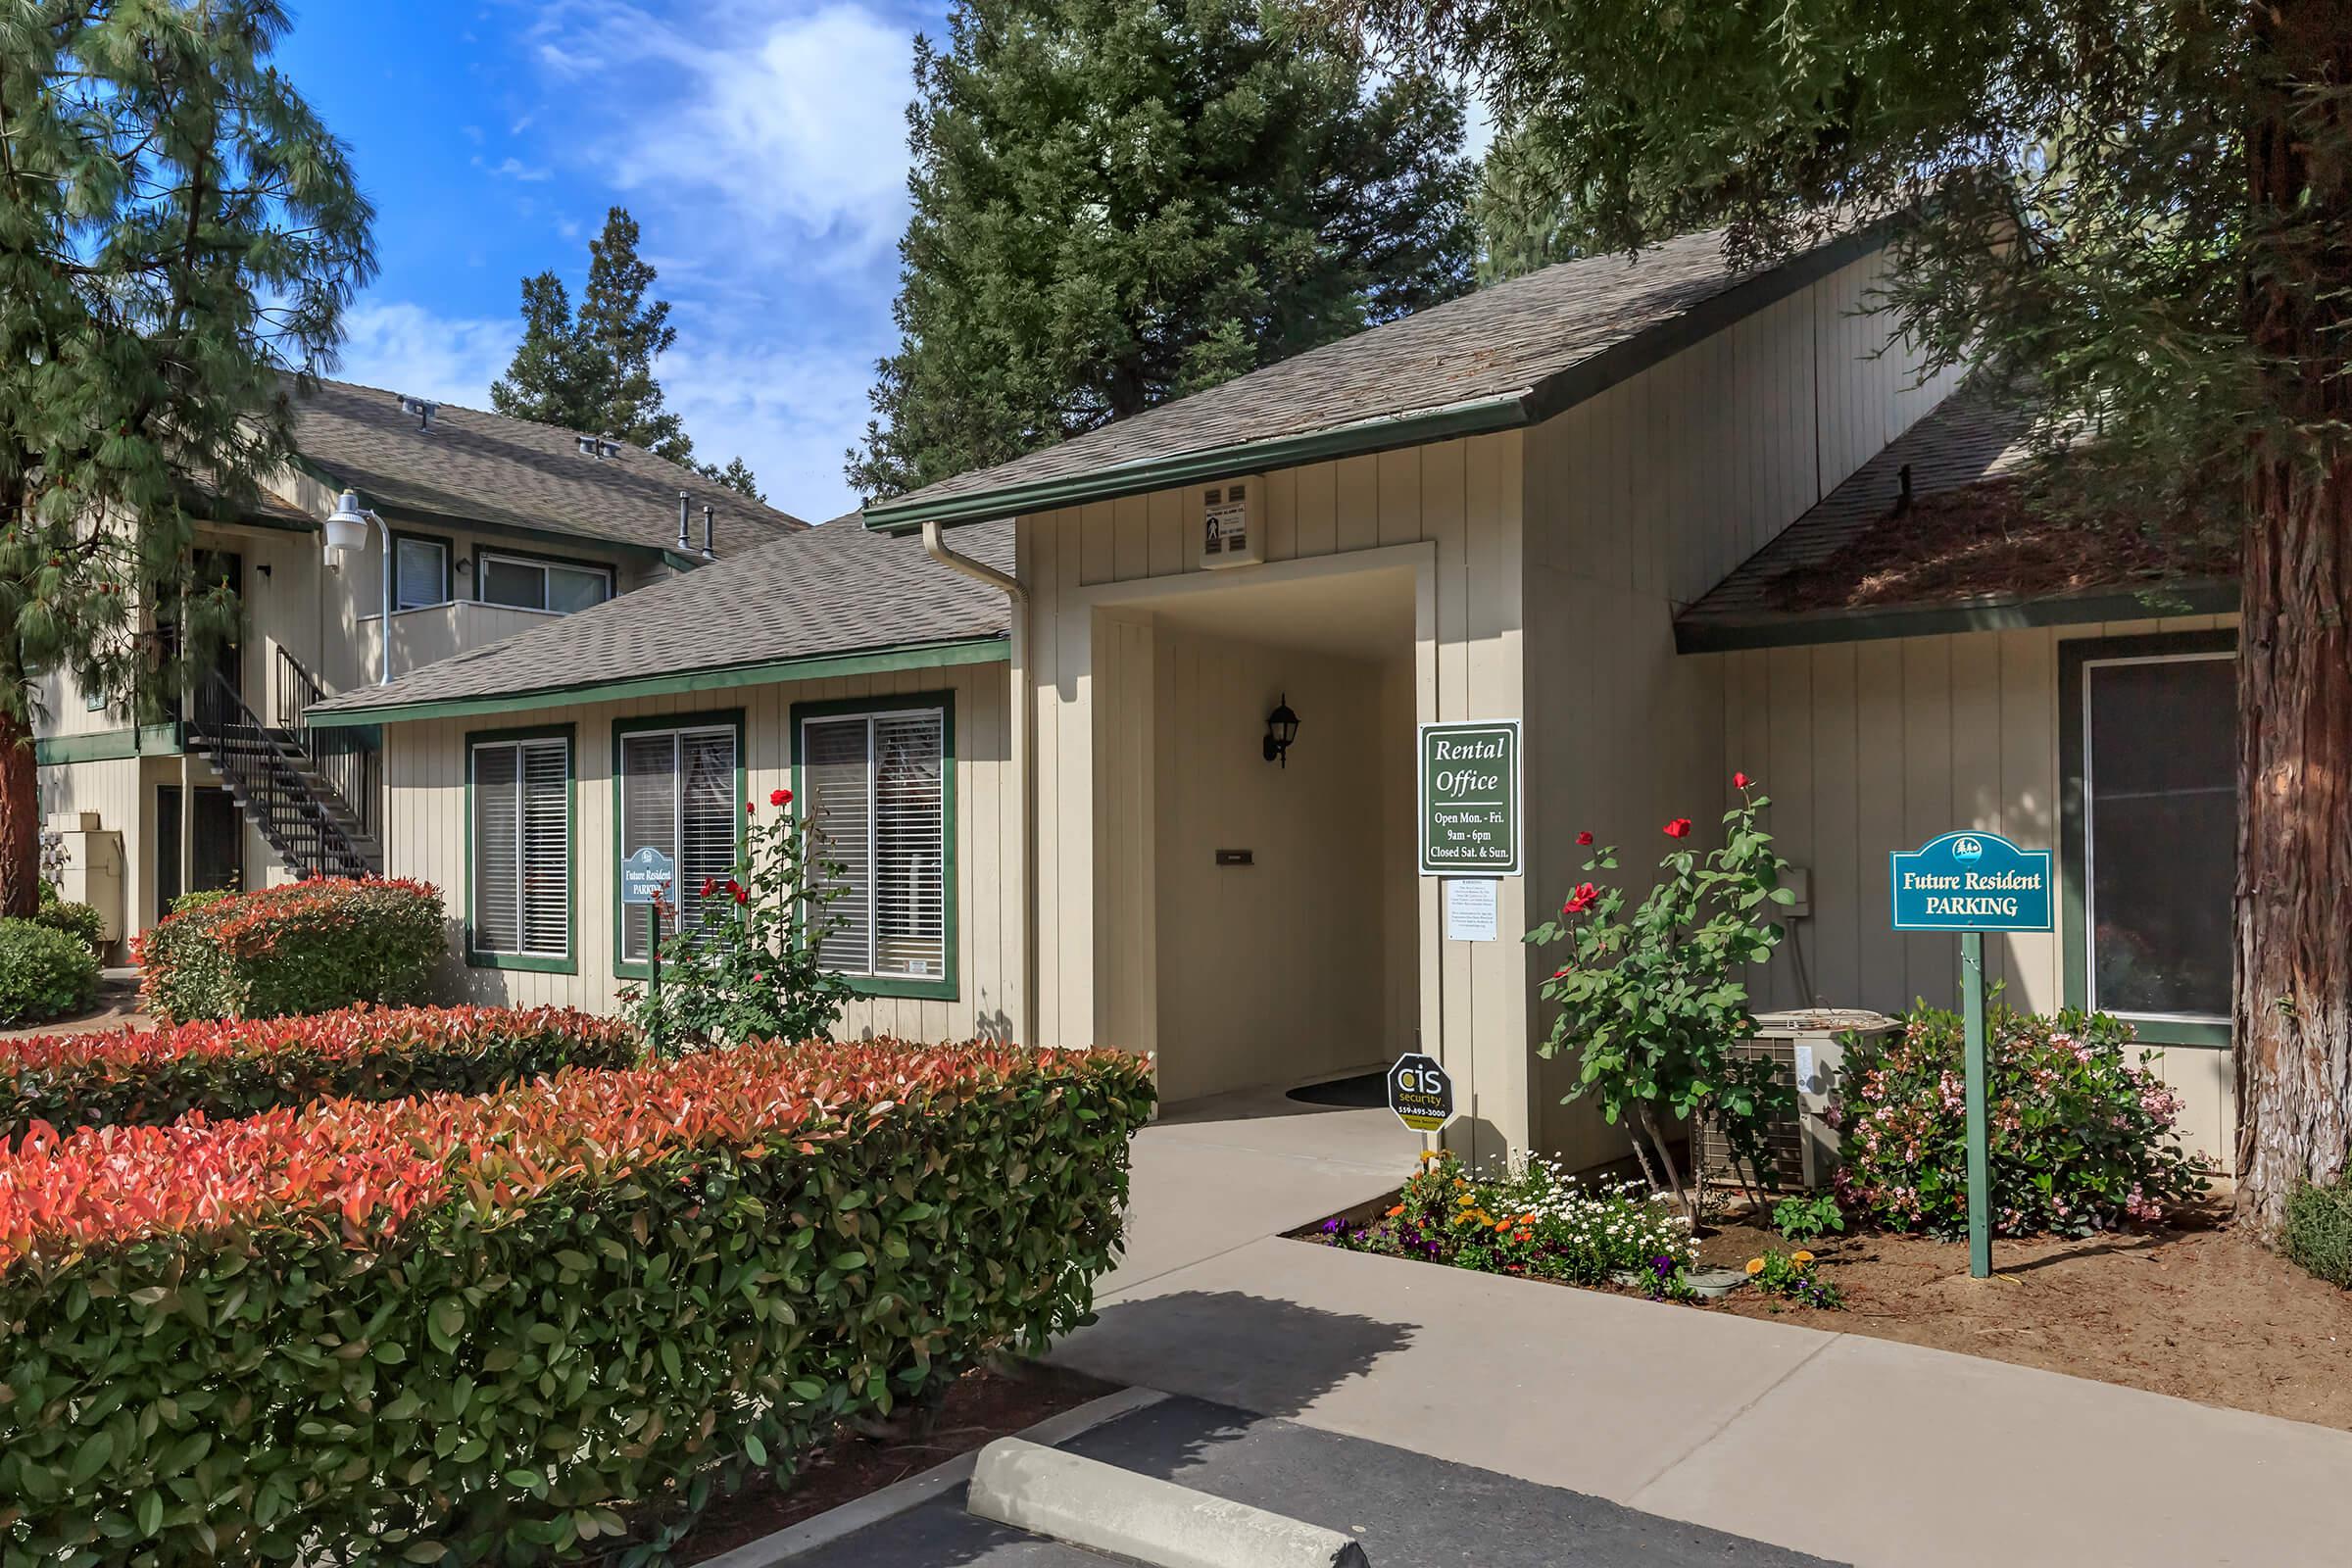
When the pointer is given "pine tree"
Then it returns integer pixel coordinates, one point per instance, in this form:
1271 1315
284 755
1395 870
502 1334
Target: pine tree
593 371
177 232
2142 210
1120 201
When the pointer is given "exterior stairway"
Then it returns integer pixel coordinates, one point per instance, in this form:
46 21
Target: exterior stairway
311 793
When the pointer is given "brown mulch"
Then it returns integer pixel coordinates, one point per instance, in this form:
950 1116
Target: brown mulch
2195 1309
979 1408
1989 539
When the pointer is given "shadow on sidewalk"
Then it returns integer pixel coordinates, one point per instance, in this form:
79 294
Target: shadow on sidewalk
1262 1353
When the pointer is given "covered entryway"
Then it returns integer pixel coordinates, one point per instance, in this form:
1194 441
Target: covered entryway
1273 938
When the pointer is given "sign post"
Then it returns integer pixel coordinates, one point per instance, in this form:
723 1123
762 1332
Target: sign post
645 879
1973 883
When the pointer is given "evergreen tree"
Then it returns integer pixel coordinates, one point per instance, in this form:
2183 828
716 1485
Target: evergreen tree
177 231
737 476
1120 201
2143 209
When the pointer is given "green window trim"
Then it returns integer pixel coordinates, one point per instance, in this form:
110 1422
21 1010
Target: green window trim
623 967
948 988
448 568
2075 656
537 963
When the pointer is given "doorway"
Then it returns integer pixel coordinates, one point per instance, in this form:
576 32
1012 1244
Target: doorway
208 569
217 853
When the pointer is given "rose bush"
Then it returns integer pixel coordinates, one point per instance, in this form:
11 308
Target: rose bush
533 1325
300 947
2082 1134
240 1067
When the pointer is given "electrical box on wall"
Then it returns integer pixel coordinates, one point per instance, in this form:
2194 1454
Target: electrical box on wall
1229 523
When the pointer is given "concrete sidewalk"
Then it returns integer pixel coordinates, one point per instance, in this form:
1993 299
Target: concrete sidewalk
1854 1449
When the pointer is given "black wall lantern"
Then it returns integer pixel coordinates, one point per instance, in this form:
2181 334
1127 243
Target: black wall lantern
1282 728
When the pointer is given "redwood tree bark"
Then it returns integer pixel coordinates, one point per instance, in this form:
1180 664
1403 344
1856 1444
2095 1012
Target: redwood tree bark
19 819
2292 1018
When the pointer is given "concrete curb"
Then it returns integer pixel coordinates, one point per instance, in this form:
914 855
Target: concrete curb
1142 1518
823 1530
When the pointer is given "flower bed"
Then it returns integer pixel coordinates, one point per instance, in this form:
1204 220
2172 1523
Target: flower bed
1534 1221
460 1329
244 1066
2083 1139
297 948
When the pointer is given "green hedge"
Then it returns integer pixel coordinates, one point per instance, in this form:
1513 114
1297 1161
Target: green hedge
511 1328
2318 1231
243 1066
44 973
297 948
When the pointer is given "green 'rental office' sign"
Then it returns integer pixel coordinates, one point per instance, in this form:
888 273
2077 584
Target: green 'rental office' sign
1470 799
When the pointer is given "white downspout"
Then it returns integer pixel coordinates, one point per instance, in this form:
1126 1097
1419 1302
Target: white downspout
1024 757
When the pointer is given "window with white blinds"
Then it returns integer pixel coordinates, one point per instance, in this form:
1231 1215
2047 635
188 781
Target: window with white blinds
678 796
419 573
521 866
875 785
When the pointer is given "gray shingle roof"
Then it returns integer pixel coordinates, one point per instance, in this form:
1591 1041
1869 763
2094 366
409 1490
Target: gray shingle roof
511 473
1548 338
813 593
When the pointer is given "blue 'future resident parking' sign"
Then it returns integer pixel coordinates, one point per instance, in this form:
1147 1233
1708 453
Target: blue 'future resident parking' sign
1972 882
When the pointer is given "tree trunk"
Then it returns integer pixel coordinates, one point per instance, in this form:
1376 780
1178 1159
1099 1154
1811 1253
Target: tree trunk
2291 1019
19 819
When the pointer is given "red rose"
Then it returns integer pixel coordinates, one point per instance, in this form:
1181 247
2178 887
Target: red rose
757 977
1740 781
1585 837
709 886
1581 900
779 797
1678 828
742 894
751 806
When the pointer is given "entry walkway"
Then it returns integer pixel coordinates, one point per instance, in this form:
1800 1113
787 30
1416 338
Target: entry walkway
1854 1448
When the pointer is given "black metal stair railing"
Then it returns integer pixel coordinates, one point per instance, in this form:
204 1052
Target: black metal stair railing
339 759
261 773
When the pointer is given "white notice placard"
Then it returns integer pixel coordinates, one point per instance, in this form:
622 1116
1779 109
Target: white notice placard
1470 908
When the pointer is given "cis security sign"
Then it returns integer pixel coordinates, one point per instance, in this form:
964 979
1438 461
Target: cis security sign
1972 882
1420 1093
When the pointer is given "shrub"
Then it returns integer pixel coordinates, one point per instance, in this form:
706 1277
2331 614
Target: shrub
749 968
464 1329
301 946
44 973
2081 1140
80 921
1534 1221
201 899
1792 1277
244 1066
1809 1218
1655 1000
2318 1231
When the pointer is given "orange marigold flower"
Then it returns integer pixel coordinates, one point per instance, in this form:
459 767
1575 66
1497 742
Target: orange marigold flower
1755 1265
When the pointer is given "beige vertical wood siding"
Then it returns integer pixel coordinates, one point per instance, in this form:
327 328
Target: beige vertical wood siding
1640 501
426 837
1867 747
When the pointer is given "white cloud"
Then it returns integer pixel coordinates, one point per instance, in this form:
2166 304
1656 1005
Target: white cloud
406 348
788 411
512 168
788 121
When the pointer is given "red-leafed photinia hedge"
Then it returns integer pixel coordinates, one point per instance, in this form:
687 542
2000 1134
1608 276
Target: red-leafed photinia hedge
300 947
241 1066
535 1324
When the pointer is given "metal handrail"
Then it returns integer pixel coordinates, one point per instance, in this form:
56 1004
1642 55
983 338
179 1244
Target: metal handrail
341 756
244 752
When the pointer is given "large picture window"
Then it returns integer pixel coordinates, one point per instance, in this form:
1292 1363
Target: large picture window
878 786
2158 830
524 584
678 794
519 864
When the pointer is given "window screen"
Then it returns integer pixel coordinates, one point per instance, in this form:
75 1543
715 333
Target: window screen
420 573
2160 789
875 786
522 870
678 796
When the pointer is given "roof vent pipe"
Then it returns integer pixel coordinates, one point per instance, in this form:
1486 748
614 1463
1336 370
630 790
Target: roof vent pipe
683 498
708 554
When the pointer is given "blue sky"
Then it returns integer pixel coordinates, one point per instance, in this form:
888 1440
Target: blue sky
761 146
